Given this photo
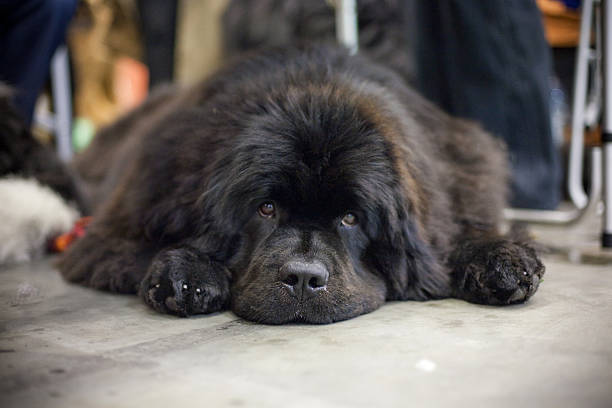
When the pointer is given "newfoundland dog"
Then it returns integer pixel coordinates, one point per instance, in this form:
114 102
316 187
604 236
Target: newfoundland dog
298 185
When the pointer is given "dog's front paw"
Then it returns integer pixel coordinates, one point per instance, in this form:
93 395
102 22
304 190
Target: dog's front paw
499 273
185 282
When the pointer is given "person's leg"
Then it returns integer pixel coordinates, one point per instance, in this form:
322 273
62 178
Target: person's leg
489 61
31 31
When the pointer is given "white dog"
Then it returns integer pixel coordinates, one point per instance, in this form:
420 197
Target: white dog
30 215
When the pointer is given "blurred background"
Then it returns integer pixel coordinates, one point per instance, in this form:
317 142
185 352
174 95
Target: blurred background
508 65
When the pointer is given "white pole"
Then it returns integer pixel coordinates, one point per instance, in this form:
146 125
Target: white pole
346 24
607 122
574 179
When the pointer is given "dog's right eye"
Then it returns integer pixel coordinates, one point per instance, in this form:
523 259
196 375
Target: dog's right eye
267 209
349 220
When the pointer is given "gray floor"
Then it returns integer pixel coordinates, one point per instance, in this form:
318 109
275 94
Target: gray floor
66 346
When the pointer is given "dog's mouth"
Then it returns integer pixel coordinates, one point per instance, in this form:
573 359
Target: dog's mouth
301 318
277 305
299 315
299 289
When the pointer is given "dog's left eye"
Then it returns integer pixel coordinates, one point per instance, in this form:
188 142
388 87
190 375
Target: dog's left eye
267 210
349 220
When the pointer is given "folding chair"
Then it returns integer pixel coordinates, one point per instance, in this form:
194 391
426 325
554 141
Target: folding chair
587 112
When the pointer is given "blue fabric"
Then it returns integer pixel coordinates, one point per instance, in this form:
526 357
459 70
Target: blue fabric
572 4
489 61
30 32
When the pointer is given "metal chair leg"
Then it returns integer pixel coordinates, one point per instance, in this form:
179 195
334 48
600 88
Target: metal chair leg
601 174
60 89
567 217
574 182
606 16
346 24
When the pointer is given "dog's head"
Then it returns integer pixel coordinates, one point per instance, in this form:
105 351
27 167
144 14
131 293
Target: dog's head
322 225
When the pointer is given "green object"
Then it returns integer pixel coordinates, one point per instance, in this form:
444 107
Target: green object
83 131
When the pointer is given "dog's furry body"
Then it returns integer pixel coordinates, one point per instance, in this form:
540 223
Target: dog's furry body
312 136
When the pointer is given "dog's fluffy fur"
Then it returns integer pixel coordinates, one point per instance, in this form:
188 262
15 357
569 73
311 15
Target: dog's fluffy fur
31 215
299 184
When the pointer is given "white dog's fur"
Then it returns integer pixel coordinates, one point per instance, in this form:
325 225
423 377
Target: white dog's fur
30 215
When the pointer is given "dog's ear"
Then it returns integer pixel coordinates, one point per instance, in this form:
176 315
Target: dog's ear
405 260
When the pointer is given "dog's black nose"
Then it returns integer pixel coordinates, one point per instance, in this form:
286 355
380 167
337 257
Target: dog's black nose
304 279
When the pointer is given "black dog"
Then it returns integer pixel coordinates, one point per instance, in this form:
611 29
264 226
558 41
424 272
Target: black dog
22 155
298 185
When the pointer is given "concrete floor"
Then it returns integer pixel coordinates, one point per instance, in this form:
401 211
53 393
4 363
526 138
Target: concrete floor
66 346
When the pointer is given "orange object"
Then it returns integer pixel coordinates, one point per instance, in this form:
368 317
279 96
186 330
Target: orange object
61 243
130 83
561 24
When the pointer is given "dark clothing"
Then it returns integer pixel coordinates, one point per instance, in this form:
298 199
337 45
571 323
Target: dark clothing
489 61
30 32
158 23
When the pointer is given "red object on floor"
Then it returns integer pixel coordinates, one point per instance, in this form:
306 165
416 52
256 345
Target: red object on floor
61 243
